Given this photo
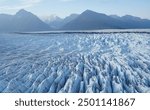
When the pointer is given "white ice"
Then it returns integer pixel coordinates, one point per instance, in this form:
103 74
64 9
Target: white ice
73 63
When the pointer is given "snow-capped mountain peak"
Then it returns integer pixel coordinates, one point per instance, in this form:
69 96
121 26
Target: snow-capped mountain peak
51 18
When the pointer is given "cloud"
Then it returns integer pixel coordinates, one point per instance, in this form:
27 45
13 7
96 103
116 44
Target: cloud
20 4
30 1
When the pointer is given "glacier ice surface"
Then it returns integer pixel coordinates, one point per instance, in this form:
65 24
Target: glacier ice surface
75 63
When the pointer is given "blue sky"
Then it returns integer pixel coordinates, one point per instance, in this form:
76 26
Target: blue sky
63 8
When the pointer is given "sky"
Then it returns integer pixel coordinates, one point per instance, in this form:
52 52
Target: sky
63 8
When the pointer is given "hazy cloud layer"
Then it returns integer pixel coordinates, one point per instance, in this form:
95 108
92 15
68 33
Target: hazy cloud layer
17 4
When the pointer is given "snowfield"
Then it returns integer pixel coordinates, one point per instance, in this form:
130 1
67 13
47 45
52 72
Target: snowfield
75 63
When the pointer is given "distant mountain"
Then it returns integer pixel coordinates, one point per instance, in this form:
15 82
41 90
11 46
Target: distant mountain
51 18
115 16
22 21
135 22
70 18
90 20
5 21
57 22
53 21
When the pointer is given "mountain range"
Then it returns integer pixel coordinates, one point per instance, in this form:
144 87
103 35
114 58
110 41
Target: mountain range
24 21
89 20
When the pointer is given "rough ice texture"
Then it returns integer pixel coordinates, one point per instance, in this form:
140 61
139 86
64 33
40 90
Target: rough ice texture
75 63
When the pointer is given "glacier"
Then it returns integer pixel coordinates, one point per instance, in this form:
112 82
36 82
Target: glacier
75 62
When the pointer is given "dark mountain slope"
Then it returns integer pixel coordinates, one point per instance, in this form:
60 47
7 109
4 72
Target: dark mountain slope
22 21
